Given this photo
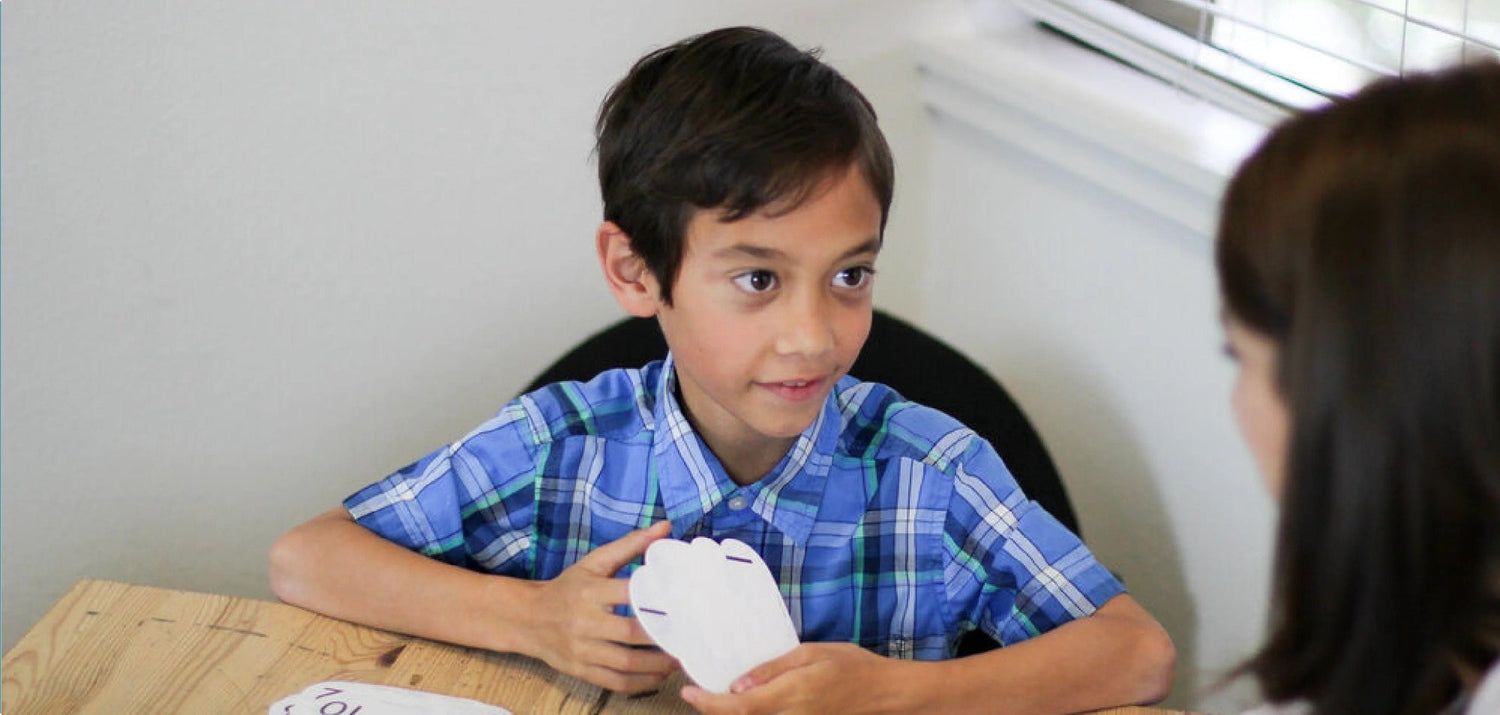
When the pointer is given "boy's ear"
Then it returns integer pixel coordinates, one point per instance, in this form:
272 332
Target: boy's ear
626 273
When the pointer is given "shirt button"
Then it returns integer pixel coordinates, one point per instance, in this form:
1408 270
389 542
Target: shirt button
738 502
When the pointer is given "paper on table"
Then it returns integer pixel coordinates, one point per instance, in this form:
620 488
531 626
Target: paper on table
334 697
713 606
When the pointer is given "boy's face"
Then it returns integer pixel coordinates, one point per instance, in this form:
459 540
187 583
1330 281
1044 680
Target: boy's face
768 312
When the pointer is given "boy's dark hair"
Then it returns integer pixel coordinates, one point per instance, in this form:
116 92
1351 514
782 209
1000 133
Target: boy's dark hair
1364 240
737 120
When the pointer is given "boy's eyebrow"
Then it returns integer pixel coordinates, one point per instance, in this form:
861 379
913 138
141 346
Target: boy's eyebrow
872 245
764 253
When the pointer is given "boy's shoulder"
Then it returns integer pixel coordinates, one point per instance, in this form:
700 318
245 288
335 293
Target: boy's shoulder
615 404
880 425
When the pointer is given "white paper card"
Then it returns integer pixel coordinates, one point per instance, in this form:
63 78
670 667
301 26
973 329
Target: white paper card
713 606
334 697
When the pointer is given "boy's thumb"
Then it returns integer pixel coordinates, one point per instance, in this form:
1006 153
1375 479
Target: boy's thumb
611 557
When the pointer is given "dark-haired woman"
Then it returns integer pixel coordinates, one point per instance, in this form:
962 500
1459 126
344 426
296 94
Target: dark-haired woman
1359 259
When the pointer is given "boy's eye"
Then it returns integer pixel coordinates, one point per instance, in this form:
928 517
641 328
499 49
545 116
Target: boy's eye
755 281
853 277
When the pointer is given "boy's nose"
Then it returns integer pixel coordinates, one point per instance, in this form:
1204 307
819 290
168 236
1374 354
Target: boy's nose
806 329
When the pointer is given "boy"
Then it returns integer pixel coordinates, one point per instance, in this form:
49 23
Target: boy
745 187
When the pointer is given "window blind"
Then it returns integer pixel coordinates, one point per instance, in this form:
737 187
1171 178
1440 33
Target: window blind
1267 58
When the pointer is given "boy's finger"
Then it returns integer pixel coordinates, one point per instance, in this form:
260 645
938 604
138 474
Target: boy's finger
701 699
611 679
712 703
611 557
606 625
634 660
621 629
607 592
769 670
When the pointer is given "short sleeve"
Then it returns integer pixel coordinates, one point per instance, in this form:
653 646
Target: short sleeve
1014 571
470 503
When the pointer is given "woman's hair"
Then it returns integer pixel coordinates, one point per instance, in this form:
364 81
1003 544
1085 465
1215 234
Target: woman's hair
1363 239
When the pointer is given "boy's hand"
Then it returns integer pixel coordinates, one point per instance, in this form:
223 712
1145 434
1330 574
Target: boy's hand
813 678
576 631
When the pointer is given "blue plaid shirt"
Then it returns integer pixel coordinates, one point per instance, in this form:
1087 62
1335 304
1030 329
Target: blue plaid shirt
887 524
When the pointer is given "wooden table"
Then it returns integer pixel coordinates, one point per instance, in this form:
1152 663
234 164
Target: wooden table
117 648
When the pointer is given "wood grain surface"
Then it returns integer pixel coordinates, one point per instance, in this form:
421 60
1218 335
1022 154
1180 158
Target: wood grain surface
114 648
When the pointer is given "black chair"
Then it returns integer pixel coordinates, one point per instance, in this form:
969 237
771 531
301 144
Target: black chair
922 368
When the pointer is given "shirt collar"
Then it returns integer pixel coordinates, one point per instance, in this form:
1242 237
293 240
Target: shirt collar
693 482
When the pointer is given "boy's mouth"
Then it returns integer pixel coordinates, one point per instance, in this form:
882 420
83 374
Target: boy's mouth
796 390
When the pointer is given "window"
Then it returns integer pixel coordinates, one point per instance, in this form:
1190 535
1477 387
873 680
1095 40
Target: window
1265 58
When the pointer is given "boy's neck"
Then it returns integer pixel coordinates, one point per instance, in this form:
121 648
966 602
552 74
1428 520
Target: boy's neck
746 463
747 459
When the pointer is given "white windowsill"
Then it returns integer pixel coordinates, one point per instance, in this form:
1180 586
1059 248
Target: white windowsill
1100 120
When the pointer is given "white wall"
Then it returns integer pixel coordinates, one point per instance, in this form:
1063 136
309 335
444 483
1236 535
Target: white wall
1070 208
257 255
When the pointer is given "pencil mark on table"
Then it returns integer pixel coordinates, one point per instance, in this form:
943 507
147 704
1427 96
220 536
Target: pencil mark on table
241 631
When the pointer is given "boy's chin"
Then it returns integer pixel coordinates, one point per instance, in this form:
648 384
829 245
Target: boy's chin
784 421
787 429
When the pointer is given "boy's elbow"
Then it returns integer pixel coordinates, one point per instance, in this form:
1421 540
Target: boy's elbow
1145 656
286 559
1156 656
294 558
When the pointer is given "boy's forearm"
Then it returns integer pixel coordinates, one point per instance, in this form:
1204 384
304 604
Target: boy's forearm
334 566
1118 656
